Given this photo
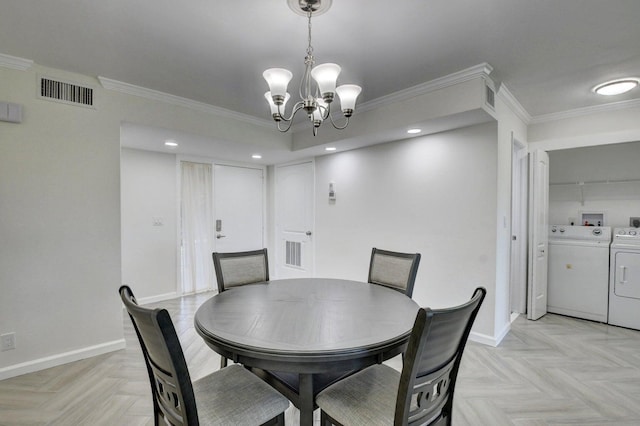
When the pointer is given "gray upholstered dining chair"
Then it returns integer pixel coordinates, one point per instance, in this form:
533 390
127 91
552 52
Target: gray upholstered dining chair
240 268
231 396
394 270
422 394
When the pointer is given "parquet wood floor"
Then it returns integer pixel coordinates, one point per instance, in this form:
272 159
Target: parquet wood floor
554 371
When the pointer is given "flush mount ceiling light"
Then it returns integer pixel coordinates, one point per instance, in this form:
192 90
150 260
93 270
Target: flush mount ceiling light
616 87
414 131
171 144
330 148
256 156
316 99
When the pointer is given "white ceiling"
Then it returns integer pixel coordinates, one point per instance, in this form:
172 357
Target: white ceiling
549 53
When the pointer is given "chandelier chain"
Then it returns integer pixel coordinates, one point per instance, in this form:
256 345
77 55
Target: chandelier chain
309 48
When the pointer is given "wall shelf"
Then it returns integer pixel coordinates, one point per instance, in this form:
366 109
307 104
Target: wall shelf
582 184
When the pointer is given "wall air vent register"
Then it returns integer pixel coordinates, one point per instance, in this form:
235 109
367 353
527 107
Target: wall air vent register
293 253
65 92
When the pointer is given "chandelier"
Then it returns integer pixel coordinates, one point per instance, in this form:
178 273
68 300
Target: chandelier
316 99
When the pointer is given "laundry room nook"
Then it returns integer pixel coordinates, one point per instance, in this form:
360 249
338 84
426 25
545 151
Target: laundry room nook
594 233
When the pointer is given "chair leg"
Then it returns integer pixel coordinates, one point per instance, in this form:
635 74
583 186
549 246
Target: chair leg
223 362
325 420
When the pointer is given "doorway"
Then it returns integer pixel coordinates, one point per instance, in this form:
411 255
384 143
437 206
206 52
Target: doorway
519 208
222 208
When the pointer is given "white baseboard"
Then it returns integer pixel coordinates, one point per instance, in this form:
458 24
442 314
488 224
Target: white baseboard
59 359
490 340
158 298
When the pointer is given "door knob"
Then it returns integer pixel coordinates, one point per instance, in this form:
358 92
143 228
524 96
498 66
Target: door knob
220 236
308 233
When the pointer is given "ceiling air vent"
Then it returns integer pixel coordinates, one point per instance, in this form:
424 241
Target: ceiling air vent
68 93
490 97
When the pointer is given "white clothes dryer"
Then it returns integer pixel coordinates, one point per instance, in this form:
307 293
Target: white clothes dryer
578 271
624 279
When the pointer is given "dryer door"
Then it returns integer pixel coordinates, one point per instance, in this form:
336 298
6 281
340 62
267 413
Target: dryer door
627 275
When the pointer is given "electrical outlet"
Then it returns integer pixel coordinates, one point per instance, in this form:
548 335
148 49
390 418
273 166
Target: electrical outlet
634 221
8 341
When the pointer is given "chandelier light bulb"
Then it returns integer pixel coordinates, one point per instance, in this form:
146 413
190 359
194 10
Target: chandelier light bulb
273 106
326 76
278 79
320 112
348 94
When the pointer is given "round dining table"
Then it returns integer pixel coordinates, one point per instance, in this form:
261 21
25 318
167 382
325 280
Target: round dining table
303 334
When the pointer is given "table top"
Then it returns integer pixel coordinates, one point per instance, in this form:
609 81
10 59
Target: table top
306 318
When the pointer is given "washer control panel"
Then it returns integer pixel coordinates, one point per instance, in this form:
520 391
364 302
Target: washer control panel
568 232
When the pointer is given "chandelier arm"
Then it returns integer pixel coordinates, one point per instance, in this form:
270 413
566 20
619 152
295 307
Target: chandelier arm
285 129
327 111
333 123
297 107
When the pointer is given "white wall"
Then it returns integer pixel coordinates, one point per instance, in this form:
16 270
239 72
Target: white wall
149 223
601 127
60 241
618 201
59 228
435 195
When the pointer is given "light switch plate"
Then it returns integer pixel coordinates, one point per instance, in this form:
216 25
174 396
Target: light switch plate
7 342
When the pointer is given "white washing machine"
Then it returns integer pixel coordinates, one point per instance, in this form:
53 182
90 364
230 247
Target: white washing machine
624 281
578 273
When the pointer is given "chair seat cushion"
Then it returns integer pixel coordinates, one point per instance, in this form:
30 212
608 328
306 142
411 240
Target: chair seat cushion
235 396
366 398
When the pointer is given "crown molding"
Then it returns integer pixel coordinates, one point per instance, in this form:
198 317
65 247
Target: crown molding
507 97
579 112
15 63
155 95
480 70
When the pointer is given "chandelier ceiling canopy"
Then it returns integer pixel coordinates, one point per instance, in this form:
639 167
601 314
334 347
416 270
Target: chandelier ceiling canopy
315 99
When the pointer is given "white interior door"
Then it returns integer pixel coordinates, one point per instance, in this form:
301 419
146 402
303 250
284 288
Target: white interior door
294 189
238 199
538 233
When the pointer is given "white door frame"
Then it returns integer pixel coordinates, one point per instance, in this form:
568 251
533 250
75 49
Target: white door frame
519 203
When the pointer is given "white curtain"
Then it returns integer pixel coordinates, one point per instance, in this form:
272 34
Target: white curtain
197 226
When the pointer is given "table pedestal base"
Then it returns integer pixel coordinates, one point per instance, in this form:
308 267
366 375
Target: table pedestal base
301 389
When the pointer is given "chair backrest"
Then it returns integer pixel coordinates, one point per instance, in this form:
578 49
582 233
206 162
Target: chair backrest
239 268
393 269
431 363
173 396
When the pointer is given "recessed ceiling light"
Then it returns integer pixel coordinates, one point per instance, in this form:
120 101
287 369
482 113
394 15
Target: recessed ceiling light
330 148
256 156
616 87
171 143
414 131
